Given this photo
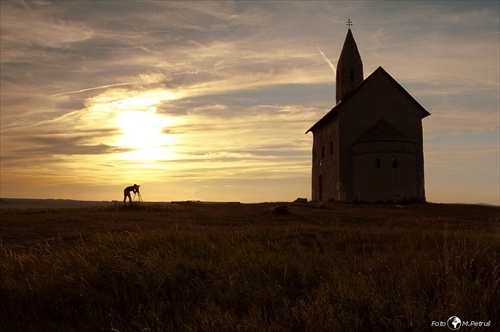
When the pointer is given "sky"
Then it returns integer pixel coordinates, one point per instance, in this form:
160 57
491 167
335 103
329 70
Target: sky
211 100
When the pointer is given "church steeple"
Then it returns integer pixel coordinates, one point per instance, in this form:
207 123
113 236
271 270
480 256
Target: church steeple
349 67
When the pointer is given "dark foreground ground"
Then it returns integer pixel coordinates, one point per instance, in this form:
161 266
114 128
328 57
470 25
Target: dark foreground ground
236 267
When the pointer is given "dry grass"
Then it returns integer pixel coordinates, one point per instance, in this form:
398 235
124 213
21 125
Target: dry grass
235 267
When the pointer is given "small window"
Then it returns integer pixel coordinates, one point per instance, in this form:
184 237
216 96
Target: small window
378 163
352 75
395 164
331 147
322 152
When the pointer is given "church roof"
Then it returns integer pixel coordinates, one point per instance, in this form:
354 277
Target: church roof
382 131
346 99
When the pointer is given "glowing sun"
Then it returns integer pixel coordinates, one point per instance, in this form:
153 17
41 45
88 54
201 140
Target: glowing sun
144 133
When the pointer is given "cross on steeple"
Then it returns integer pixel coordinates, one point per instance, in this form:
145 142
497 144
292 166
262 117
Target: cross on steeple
349 24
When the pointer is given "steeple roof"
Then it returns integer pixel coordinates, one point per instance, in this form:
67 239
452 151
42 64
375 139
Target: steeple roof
349 48
349 68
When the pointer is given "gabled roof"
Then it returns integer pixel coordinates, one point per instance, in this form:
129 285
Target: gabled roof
339 106
382 131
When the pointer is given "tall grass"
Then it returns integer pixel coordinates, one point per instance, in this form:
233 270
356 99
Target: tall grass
293 277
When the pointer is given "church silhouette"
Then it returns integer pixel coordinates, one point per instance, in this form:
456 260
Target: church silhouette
369 147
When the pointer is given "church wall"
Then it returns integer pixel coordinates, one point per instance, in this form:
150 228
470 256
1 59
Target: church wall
381 99
384 172
325 161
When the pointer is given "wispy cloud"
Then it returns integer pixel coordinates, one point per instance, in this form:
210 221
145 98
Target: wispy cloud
93 88
330 64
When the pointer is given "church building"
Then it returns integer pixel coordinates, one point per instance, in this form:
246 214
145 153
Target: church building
369 147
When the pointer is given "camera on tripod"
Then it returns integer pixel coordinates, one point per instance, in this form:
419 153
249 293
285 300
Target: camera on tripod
137 194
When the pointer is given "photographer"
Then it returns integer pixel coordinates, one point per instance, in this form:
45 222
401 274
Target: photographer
126 193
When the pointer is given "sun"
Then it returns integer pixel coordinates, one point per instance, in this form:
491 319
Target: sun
143 132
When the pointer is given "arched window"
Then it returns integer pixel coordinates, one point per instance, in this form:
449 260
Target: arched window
378 163
322 152
331 147
395 164
352 75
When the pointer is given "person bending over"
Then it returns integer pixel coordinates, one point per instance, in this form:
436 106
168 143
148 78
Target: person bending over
126 193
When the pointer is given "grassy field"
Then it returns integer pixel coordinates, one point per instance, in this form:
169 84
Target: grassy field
236 267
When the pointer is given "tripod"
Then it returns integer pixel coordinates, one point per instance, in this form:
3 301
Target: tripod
138 196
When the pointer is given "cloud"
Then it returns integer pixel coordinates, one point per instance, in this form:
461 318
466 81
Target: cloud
458 121
34 36
330 64
93 88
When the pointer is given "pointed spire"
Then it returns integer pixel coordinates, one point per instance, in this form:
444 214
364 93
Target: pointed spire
349 67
